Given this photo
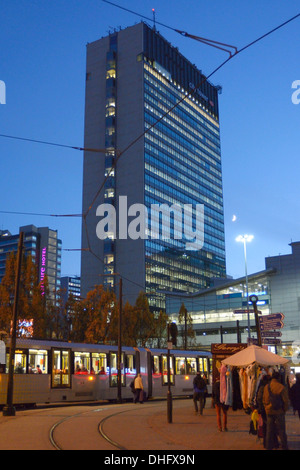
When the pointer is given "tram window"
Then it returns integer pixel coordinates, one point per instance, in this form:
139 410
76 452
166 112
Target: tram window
20 362
60 368
38 361
114 370
204 366
99 363
191 366
130 363
82 362
165 369
156 365
180 365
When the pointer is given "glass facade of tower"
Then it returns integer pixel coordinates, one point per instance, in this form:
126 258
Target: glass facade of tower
145 99
110 155
182 166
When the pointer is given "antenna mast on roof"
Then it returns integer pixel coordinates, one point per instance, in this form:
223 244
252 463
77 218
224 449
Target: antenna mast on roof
154 25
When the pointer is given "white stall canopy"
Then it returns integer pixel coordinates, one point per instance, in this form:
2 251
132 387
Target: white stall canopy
254 354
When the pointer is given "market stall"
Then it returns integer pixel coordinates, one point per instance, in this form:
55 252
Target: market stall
249 365
255 354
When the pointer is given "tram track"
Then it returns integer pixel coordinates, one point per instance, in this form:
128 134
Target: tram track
56 425
105 435
53 440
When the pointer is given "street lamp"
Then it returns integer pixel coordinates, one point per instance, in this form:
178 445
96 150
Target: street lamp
245 239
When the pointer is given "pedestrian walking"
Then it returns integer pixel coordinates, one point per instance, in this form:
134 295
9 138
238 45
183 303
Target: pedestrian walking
220 407
260 406
295 395
276 404
139 389
200 391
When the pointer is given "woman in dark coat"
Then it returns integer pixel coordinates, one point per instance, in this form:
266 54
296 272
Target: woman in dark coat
295 395
260 406
220 407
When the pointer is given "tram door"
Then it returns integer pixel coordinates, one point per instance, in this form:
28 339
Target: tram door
61 370
2 357
149 369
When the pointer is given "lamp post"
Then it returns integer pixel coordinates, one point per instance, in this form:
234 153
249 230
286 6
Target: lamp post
9 409
245 239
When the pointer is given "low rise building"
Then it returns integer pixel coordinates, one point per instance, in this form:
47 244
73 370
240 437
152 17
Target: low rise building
217 311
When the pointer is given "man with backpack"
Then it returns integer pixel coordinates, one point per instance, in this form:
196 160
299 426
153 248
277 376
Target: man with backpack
276 403
200 390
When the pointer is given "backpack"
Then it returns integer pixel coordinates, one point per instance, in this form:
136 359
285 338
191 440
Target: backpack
132 386
199 385
276 400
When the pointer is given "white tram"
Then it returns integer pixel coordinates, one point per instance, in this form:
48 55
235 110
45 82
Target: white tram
53 371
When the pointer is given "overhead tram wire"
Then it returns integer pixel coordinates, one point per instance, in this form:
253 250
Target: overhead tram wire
72 147
208 42
121 153
231 56
39 214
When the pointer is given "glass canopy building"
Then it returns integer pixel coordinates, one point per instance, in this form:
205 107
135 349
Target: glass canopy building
215 311
156 119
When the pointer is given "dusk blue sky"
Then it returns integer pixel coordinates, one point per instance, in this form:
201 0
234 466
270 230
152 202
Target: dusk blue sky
42 62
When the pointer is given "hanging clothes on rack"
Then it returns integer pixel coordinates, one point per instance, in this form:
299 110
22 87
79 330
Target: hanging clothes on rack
251 373
261 373
244 388
237 403
228 398
223 388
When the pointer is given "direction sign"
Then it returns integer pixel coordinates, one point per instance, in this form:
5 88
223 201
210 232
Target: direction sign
271 325
245 310
271 322
272 316
271 334
270 341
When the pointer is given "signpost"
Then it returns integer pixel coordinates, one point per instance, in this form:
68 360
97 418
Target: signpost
272 341
271 334
268 326
254 299
241 311
271 322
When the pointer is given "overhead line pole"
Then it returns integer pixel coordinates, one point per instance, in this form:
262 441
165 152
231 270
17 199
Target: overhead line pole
9 409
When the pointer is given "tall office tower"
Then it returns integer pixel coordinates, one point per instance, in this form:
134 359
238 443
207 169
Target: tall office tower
170 164
70 286
43 246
